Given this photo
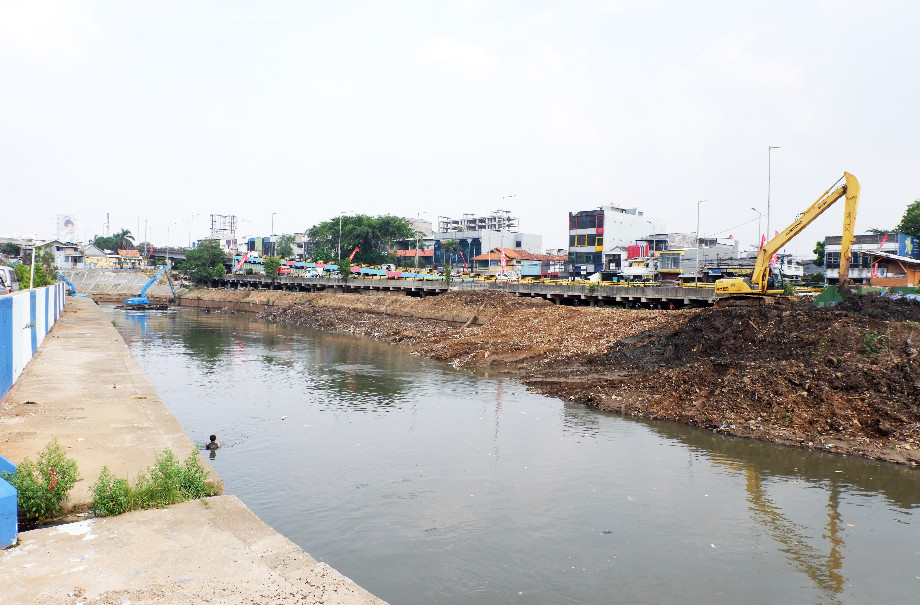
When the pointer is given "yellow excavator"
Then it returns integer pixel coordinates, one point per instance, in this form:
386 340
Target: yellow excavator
760 278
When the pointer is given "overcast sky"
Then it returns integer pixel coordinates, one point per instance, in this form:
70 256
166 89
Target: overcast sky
158 111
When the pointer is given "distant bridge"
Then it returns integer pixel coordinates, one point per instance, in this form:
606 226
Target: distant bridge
604 293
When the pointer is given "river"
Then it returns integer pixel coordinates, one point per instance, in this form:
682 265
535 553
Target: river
425 484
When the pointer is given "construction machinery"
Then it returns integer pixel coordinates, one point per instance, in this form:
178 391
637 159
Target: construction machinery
761 276
72 289
141 302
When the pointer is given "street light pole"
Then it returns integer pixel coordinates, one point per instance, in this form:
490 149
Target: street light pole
190 229
770 149
696 276
759 236
168 227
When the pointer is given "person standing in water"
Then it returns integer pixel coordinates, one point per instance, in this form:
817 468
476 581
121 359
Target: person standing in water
213 445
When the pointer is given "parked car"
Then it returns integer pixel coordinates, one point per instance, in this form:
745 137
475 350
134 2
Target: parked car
6 280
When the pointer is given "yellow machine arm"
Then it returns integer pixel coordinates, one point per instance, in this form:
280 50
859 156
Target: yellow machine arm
850 189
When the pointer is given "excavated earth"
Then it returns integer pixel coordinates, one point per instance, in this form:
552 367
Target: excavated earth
843 379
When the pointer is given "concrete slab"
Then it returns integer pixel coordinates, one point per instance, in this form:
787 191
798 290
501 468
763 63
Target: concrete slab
86 389
205 551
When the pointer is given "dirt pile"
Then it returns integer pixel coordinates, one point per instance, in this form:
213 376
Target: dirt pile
845 379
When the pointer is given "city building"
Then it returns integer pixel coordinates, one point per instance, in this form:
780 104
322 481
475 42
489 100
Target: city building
66 255
500 220
473 236
875 259
518 263
596 238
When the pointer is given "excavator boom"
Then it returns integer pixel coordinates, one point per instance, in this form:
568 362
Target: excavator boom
758 285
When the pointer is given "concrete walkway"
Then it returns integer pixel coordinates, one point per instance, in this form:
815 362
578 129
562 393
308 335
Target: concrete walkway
86 389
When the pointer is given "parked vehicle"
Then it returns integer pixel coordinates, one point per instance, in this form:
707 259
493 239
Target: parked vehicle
6 280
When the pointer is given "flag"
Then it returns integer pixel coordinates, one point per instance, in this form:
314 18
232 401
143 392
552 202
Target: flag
504 260
240 264
884 239
763 241
875 269
353 252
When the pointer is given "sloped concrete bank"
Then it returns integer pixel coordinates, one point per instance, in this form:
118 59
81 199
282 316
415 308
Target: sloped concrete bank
87 390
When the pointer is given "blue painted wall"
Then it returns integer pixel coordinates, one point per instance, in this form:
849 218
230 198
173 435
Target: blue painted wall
9 520
25 319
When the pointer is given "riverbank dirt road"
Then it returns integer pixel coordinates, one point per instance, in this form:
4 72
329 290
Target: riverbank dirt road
845 379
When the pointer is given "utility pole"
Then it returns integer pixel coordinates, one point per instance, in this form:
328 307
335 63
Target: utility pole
696 275
769 171
759 233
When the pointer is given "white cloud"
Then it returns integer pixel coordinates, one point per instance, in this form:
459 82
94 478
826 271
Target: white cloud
452 51
46 31
732 58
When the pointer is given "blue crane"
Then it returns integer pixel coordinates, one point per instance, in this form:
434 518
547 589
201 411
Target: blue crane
141 301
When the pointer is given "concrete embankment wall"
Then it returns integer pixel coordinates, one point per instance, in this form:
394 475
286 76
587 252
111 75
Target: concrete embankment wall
115 286
25 318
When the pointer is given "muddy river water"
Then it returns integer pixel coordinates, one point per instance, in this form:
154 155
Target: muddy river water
425 484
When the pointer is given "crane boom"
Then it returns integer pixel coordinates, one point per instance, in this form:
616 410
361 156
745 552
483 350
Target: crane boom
141 301
759 278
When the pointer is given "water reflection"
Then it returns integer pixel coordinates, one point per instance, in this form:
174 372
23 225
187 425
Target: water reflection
765 466
580 421
896 483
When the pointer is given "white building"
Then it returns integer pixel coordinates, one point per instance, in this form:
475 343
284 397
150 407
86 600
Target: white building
596 235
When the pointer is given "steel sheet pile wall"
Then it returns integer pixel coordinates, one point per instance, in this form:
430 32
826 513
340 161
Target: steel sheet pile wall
25 319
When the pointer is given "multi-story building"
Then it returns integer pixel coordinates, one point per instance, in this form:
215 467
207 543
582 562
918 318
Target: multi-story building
473 236
596 237
500 220
874 258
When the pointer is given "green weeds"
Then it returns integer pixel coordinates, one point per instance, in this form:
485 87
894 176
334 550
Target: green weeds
166 482
42 486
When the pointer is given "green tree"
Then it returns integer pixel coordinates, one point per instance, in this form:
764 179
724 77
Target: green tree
104 242
451 247
10 249
819 253
373 236
285 246
205 263
271 266
123 239
910 222
321 253
345 268
44 274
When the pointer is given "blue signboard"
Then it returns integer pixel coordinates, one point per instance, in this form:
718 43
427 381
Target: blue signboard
909 246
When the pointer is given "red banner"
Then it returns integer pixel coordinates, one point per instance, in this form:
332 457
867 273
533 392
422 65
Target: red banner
240 264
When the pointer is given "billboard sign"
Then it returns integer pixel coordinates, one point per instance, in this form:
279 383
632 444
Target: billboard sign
66 232
908 246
